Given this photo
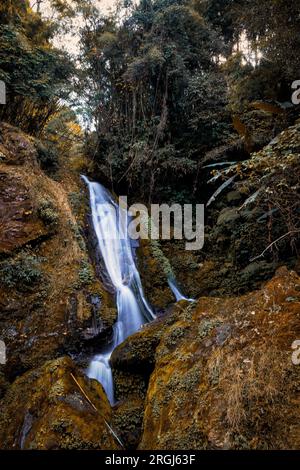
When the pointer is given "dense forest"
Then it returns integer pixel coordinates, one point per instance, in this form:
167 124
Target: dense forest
165 101
162 83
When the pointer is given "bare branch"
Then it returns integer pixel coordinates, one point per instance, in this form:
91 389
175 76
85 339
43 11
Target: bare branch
273 243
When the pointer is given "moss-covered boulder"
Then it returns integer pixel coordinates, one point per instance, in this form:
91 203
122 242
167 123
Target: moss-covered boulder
224 376
133 361
56 407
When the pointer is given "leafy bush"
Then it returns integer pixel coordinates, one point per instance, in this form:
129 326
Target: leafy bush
23 272
86 273
47 213
34 72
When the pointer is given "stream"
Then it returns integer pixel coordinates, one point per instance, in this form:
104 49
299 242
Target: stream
110 223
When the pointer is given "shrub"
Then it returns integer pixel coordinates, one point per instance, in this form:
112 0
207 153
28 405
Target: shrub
23 272
47 213
86 273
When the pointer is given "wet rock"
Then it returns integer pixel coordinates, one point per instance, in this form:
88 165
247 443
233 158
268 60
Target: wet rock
234 197
56 407
256 271
151 264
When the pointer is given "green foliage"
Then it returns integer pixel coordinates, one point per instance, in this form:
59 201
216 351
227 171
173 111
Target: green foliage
23 272
86 273
161 85
161 259
48 213
151 120
35 73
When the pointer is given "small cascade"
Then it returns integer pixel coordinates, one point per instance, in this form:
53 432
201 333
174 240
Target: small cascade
176 291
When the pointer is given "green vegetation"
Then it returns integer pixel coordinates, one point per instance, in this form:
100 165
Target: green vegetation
153 98
166 101
39 79
179 71
48 213
36 74
86 273
24 272
163 88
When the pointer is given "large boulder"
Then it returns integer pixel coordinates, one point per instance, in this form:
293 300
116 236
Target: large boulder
133 360
224 376
56 407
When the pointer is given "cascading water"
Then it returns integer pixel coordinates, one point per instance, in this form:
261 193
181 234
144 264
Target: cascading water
176 291
110 225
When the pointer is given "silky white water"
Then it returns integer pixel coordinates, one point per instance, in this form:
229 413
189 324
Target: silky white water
176 291
110 226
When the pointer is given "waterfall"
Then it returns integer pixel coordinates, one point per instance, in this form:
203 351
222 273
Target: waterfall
176 291
110 224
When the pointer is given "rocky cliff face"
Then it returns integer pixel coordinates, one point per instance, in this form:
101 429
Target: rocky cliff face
258 207
51 302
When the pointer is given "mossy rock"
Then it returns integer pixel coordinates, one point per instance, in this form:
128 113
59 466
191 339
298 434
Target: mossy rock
223 375
56 407
127 420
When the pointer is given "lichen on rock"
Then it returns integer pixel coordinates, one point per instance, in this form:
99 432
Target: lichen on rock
56 407
229 383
